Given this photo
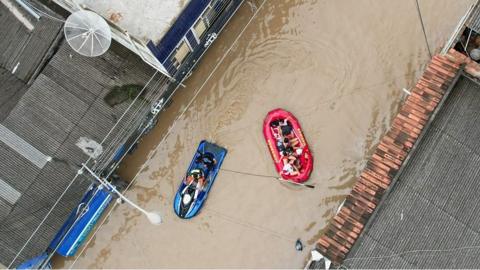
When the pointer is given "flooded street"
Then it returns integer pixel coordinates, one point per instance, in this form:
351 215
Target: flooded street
338 66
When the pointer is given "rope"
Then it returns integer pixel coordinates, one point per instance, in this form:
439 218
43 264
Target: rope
423 28
251 174
168 133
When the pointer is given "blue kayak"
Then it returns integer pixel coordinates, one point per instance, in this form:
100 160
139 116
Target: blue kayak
205 164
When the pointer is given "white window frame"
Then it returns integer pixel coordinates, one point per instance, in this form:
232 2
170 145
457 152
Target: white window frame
174 53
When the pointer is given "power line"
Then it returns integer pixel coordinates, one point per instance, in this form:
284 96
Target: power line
130 128
423 28
168 132
68 187
42 12
111 146
79 216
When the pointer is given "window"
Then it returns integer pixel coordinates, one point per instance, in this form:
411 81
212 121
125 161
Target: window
208 15
200 27
181 52
206 19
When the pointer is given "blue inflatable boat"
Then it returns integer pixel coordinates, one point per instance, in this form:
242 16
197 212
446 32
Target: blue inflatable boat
199 179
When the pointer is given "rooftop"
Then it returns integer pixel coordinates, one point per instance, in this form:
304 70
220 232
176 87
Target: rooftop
64 103
149 20
44 110
434 204
390 157
26 41
415 205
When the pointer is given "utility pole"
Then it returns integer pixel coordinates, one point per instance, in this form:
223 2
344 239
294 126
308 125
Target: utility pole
153 217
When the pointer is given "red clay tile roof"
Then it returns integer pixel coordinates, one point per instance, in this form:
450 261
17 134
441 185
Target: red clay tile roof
345 228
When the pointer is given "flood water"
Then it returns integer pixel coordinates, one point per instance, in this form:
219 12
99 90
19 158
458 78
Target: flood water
338 66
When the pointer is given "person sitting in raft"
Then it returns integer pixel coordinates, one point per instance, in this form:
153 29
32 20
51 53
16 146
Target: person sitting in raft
285 131
288 146
296 158
282 144
275 123
289 167
285 128
276 133
293 142
287 151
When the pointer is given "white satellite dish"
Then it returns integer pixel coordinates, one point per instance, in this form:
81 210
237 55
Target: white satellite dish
87 33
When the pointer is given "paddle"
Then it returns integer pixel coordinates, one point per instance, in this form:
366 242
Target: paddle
269 176
292 182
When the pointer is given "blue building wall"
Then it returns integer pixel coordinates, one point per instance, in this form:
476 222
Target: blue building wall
192 59
191 39
178 30
181 29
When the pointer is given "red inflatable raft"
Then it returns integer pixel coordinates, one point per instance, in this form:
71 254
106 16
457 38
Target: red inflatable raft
272 132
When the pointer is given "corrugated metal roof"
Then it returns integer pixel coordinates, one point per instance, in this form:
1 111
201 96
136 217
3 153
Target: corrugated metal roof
8 193
23 50
430 219
64 103
12 90
22 147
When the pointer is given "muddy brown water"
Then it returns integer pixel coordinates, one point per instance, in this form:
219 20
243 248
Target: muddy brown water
338 66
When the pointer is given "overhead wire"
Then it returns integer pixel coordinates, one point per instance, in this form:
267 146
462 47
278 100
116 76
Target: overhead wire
172 93
89 159
66 189
42 12
119 136
168 98
52 252
132 125
423 28
139 108
169 131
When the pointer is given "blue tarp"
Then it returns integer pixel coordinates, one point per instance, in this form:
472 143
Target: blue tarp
81 221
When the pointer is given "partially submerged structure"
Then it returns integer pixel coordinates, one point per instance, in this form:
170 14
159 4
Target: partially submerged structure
430 218
414 205
54 100
169 35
